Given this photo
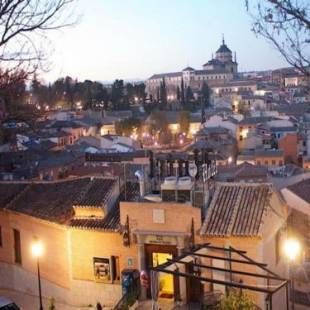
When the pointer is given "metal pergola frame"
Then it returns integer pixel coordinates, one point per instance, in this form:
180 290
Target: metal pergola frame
244 259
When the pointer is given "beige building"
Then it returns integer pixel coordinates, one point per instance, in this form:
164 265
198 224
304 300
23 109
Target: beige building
89 239
217 71
250 217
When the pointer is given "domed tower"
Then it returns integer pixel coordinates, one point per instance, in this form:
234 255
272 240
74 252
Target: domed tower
224 54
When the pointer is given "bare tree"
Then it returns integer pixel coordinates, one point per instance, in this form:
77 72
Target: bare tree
286 25
23 31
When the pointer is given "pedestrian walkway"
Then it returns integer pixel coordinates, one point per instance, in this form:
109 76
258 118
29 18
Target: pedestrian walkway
30 302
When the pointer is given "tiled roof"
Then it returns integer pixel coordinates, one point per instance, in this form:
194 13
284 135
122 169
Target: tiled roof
10 191
269 153
243 170
301 189
97 192
111 222
284 128
236 210
54 201
188 69
163 75
254 120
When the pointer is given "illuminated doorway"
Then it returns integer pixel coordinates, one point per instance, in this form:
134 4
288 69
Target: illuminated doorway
165 280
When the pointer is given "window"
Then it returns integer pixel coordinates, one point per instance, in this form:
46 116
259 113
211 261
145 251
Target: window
258 162
1 241
116 276
273 162
106 269
17 247
266 162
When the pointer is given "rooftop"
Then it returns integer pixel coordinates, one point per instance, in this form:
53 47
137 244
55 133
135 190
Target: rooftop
301 189
54 201
236 210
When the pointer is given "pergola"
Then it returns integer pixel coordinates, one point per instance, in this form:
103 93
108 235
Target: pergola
205 252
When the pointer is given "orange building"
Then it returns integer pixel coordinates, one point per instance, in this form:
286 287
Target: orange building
289 145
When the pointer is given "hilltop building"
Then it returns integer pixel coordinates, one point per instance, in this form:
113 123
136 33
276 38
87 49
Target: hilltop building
217 71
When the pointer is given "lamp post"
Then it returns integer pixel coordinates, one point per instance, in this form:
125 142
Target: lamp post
37 251
292 250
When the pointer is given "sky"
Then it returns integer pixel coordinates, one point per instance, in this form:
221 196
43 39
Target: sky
133 39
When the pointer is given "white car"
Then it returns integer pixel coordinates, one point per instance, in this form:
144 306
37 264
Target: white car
7 304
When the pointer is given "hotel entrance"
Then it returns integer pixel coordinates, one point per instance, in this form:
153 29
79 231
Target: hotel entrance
157 255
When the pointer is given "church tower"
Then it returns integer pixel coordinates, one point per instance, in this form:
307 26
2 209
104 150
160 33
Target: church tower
223 54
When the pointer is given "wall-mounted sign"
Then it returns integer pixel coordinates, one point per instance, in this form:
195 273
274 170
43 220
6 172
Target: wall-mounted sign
192 169
129 261
102 269
159 239
159 216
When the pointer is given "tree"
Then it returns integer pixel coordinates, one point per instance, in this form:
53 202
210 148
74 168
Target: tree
125 127
184 118
189 94
286 25
158 121
182 92
178 93
206 93
12 92
24 26
117 94
163 93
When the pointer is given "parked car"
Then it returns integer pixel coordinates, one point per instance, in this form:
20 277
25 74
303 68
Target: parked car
7 304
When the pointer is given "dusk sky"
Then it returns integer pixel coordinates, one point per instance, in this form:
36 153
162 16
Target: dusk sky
136 38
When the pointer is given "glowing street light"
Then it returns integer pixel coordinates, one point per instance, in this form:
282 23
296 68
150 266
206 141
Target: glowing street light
292 249
230 160
37 251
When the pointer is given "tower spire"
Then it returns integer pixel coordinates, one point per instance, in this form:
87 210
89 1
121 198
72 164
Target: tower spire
235 57
223 39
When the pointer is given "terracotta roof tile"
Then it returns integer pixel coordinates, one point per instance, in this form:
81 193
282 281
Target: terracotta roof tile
236 210
54 201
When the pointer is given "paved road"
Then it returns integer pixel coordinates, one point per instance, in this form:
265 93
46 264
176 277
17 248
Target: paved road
30 302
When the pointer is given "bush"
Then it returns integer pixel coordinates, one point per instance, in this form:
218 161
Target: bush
51 304
237 300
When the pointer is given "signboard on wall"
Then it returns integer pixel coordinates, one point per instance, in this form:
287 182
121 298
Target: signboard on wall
159 239
102 269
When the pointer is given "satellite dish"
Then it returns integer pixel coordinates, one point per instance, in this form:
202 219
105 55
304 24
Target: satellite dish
192 170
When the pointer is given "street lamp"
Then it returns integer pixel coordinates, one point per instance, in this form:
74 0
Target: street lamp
230 160
292 249
37 251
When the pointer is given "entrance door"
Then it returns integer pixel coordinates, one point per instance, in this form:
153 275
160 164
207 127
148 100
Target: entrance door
157 255
166 289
